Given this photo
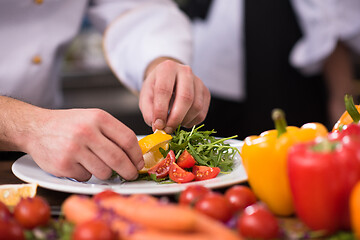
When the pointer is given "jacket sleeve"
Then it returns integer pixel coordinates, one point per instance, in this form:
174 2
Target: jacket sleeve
138 31
324 23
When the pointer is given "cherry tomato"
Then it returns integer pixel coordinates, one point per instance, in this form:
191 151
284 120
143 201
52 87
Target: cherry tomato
192 194
240 197
104 194
257 222
4 211
161 169
214 205
10 230
93 230
186 160
32 212
204 172
179 175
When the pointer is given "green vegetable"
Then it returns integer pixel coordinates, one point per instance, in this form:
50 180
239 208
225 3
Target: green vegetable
205 148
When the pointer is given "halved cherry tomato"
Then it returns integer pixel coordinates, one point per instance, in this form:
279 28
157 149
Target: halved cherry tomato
186 160
205 172
179 175
192 194
104 194
32 212
161 169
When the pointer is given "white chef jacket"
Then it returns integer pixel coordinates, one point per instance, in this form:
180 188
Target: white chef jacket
219 41
34 34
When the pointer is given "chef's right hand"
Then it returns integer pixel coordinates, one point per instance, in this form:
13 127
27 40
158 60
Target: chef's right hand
78 143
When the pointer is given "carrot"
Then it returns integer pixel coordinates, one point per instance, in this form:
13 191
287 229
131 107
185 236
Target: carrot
78 209
140 217
163 235
160 216
215 229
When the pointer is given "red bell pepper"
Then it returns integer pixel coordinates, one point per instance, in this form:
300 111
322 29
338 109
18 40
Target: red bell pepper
322 174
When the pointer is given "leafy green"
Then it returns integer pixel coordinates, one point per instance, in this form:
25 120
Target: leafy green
205 148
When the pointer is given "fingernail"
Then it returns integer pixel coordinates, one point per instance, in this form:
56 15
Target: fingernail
140 165
168 130
159 124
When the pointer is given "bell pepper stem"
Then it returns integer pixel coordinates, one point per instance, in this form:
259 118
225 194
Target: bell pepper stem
278 117
351 109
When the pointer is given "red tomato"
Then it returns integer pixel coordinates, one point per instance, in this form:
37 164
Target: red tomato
104 194
186 160
256 222
93 230
4 211
240 197
179 175
10 230
192 194
161 169
32 212
214 205
204 172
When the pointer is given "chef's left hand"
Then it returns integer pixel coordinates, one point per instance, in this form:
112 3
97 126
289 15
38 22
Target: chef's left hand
172 95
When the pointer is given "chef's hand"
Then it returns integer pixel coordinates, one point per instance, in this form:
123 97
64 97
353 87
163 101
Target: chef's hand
73 143
172 95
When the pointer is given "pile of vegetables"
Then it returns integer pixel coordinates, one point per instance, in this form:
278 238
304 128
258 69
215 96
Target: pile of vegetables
309 172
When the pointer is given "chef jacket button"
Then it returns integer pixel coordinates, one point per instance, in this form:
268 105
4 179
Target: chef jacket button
36 59
38 1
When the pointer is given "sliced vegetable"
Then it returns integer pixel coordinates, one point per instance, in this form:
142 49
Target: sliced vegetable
204 172
179 175
161 169
185 160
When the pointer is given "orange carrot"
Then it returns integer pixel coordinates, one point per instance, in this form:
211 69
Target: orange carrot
164 235
215 229
161 216
78 209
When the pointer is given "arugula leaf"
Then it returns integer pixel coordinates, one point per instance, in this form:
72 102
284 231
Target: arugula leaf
205 148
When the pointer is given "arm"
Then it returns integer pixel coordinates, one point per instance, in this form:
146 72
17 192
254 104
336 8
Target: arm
339 75
70 143
152 38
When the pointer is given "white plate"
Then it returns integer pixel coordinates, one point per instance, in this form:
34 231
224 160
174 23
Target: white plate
27 170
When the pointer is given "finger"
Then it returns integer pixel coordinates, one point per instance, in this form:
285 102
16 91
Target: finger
65 167
146 99
123 138
95 165
198 111
110 154
184 98
163 90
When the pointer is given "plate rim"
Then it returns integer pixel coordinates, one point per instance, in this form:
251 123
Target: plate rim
150 188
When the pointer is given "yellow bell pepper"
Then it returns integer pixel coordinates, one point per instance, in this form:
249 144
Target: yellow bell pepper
265 161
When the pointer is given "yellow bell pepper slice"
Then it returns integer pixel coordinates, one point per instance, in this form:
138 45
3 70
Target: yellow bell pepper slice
265 160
